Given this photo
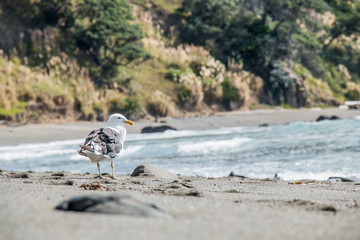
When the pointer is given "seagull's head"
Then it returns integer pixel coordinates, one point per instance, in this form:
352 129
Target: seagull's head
118 119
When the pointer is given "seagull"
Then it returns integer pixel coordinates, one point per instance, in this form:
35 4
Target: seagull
104 144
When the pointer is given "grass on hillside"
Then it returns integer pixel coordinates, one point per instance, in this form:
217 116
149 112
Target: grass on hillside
63 83
168 5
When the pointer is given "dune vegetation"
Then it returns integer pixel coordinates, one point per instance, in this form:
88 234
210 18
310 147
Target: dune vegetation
80 60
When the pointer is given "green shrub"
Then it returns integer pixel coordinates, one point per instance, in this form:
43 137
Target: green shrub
185 94
352 91
279 77
130 106
11 112
353 95
173 74
285 106
158 108
230 93
115 103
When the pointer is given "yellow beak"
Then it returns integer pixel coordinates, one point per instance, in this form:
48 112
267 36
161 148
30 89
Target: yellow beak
129 122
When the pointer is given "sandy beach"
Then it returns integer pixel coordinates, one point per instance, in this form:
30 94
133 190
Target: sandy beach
36 133
196 207
199 208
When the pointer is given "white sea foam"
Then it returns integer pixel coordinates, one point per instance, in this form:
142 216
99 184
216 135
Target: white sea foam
77 157
212 146
294 175
38 150
129 150
32 154
33 146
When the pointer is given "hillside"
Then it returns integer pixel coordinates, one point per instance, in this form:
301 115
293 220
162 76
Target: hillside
82 60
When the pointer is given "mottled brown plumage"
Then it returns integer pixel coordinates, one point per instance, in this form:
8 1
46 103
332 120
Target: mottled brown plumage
105 141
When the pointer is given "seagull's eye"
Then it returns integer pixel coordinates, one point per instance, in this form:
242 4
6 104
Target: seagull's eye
119 117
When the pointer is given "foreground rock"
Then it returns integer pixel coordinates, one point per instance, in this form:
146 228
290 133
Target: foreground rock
149 170
113 204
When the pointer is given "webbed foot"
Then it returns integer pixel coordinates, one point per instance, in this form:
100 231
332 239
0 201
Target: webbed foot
99 177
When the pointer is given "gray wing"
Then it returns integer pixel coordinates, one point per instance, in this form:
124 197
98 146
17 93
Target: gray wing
105 140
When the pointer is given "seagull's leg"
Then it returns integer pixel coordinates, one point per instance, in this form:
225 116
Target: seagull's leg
98 165
112 167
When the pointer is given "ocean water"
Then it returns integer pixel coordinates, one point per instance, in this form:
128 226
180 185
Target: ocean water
311 150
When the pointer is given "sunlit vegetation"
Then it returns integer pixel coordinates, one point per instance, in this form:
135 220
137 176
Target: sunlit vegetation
72 60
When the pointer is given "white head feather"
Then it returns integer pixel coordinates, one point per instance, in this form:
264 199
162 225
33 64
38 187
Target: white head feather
117 121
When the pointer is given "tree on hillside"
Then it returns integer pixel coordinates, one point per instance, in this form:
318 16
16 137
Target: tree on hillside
347 20
106 35
206 19
341 46
265 35
33 30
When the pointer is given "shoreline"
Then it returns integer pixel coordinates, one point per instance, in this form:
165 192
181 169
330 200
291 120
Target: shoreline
199 208
38 133
195 207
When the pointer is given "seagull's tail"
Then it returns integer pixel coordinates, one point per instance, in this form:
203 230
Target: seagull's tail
80 152
85 147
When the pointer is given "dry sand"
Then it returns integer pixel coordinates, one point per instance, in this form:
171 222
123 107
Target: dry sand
35 133
201 208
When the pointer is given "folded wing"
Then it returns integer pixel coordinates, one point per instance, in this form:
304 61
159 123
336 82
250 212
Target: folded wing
104 141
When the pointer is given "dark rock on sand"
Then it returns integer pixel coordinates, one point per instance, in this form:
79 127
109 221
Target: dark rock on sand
341 179
264 125
185 193
329 209
113 204
322 118
58 174
20 175
149 170
232 174
157 129
69 183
